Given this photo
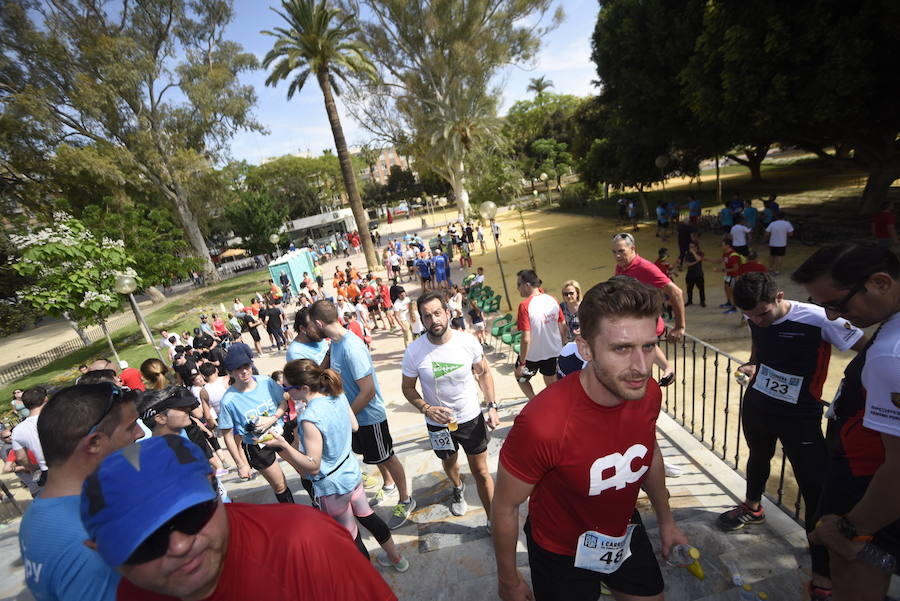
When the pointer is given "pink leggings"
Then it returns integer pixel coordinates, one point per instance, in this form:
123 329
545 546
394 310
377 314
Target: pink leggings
347 507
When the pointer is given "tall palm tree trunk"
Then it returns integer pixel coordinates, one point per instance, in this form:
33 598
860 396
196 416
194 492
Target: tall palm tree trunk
356 206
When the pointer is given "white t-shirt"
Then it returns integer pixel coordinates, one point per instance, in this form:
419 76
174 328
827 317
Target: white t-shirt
216 390
362 313
417 326
401 308
395 260
410 254
445 371
344 306
739 233
881 379
778 232
25 436
479 279
540 314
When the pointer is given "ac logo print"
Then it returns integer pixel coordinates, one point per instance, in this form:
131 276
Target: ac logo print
623 474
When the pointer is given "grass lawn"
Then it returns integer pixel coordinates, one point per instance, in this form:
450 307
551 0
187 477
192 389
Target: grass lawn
179 314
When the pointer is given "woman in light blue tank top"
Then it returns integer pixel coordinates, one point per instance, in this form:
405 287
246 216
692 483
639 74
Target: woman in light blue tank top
326 426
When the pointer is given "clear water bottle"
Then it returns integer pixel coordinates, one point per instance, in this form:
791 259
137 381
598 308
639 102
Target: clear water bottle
687 557
875 556
745 593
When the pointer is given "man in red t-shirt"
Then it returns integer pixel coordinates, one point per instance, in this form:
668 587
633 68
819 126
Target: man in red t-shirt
752 265
629 263
544 332
582 450
884 225
731 263
151 512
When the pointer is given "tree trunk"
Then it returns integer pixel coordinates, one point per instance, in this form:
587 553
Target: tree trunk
643 197
881 176
459 190
755 156
359 214
192 230
78 330
155 294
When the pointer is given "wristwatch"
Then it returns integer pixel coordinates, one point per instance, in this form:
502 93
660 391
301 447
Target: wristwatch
491 406
849 530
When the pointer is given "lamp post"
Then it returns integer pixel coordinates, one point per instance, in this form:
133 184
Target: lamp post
544 178
517 206
126 284
274 238
488 210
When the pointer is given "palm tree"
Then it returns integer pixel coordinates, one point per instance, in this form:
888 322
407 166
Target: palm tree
322 41
539 85
370 155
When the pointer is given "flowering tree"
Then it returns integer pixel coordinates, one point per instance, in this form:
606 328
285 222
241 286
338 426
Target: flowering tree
72 272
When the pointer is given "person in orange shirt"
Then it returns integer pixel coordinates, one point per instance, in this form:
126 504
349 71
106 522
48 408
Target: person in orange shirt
341 290
352 292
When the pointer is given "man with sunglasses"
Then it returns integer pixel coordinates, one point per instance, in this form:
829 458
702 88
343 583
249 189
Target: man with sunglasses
151 513
79 426
791 348
860 501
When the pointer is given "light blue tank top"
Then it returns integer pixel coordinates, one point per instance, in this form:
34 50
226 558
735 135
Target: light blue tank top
339 471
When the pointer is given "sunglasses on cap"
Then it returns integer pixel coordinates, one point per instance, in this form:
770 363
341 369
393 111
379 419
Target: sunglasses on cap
114 396
190 521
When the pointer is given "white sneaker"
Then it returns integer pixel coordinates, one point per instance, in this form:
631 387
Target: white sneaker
458 505
673 471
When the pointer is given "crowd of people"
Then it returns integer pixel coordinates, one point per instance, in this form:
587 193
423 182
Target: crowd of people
132 460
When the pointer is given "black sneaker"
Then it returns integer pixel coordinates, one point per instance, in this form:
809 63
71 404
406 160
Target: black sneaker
740 516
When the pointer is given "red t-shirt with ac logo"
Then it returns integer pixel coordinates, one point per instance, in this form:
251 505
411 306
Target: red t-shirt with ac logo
586 461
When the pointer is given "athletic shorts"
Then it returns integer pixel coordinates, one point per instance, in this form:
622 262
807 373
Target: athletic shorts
777 251
662 223
425 278
290 431
546 367
729 280
473 436
254 333
374 443
842 491
742 250
478 327
409 264
555 578
395 268
258 457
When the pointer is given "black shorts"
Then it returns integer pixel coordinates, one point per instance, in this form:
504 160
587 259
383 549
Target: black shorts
290 431
842 491
555 578
742 250
258 457
254 333
777 251
660 223
374 443
409 264
546 367
425 278
473 436
395 268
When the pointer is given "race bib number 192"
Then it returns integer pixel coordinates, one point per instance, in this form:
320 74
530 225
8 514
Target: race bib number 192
441 440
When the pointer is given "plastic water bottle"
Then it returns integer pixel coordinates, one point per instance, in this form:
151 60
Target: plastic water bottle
746 593
736 578
687 557
877 557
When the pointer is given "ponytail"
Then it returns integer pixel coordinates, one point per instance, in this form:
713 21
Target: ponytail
305 372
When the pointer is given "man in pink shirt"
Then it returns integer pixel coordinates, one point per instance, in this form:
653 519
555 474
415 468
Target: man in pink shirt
629 263
544 332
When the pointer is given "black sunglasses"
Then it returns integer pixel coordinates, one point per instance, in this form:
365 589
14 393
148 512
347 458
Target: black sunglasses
115 396
190 521
840 306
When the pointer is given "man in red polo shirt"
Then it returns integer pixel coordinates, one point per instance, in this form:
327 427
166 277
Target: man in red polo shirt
582 450
629 263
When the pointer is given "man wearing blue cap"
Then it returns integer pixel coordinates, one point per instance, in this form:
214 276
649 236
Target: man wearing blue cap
151 512
79 426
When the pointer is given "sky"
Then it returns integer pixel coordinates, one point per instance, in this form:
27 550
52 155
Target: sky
301 124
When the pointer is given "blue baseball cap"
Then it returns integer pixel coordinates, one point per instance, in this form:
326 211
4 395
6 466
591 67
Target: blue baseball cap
138 489
238 355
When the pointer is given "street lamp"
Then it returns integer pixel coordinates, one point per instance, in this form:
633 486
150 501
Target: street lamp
488 210
517 206
274 238
544 178
126 284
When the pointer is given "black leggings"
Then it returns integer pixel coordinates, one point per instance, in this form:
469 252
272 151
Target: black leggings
804 446
701 286
278 337
376 526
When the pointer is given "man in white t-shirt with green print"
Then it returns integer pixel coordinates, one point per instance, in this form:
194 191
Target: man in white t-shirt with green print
447 363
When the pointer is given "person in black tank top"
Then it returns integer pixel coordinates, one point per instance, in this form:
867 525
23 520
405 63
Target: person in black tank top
791 348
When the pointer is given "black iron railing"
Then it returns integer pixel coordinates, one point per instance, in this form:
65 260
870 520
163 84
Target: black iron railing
706 400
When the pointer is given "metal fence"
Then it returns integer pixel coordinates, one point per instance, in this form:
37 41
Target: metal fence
706 400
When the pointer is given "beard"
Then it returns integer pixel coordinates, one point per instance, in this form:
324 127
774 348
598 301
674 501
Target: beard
437 329
618 383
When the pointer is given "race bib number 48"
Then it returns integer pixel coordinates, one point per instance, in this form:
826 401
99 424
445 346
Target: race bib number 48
778 385
601 553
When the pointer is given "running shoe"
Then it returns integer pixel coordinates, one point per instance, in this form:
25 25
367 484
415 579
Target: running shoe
369 481
730 311
740 516
489 526
724 305
401 513
458 505
672 471
604 590
379 496
221 472
401 565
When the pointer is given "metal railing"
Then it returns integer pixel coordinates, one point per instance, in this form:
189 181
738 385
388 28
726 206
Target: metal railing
706 400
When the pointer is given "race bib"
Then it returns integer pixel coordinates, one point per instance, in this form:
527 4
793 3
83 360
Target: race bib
601 553
778 385
441 440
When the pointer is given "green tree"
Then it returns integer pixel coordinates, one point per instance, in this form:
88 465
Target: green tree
150 88
401 184
255 217
553 158
71 272
321 41
438 61
539 85
369 156
290 181
15 314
